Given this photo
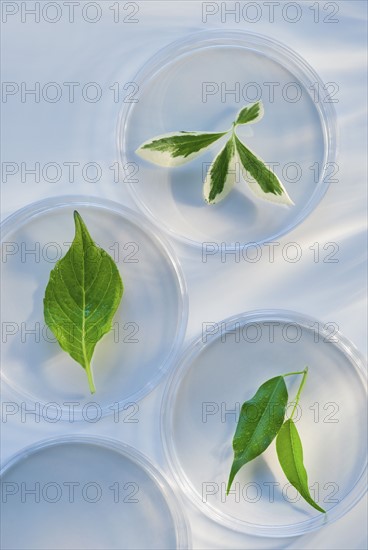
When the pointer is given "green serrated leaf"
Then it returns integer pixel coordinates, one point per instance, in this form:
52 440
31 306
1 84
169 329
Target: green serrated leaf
259 422
261 180
178 148
221 175
82 296
290 453
250 114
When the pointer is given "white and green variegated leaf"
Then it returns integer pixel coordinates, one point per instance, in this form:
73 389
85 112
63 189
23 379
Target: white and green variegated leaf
221 175
250 114
177 148
261 180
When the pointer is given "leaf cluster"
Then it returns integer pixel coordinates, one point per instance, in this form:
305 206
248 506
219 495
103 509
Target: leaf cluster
175 149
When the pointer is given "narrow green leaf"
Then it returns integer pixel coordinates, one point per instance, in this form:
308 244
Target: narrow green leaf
261 180
259 422
221 175
82 296
290 453
250 114
177 148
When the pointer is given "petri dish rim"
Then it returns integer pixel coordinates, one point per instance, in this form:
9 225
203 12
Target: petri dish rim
167 406
183 535
43 206
265 45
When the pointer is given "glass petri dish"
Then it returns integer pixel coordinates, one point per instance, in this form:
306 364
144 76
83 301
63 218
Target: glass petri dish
201 406
200 83
85 492
148 327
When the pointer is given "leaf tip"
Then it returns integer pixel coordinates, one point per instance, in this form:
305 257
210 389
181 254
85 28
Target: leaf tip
77 218
316 506
207 200
288 201
284 199
234 470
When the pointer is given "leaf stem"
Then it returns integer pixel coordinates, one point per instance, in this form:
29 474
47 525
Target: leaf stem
297 372
90 378
305 373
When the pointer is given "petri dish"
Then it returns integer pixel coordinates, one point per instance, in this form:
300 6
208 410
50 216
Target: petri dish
200 83
147 329
201 406
80 492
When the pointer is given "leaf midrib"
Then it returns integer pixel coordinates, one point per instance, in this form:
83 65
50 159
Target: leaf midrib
187 134
103 295
84 304
65 308
295 462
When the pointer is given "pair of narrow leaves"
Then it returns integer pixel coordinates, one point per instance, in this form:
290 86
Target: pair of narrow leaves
175 149
82 296
261 420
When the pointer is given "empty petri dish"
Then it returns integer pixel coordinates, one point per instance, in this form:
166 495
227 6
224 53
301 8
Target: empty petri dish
199 84
201 407
79 492
147 329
